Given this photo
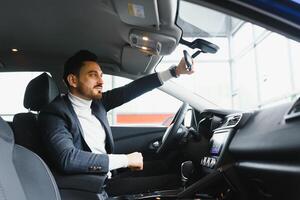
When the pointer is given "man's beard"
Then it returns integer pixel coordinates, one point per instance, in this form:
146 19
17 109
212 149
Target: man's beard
90 94
97 96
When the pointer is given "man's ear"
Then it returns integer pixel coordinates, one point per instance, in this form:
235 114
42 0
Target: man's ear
72 80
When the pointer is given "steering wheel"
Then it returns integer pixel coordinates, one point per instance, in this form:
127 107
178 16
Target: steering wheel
171 134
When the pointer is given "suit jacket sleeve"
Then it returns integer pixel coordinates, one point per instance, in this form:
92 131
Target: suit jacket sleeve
61 150
124 94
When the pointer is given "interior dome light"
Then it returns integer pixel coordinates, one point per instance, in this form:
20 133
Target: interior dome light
145 43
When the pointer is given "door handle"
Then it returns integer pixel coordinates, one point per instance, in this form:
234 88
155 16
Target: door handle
154 145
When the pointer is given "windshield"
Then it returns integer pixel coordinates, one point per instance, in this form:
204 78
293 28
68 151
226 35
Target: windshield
253 68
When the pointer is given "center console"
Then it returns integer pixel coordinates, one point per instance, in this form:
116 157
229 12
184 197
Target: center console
217 147
220 141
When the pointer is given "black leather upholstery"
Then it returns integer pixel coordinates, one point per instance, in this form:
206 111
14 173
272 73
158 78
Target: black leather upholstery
39 92
25 130
91 183
23 175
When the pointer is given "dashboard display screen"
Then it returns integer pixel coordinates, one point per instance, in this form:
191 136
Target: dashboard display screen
217 142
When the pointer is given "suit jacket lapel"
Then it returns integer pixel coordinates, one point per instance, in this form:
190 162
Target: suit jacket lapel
74 115
99 111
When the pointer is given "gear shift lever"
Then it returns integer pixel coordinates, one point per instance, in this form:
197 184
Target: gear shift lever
187 169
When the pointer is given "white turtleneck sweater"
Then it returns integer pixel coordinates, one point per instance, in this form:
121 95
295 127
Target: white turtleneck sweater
93 131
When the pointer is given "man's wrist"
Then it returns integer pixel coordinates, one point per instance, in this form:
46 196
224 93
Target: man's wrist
173 71
117 161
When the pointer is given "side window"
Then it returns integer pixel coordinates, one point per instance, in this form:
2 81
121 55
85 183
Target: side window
12 88
154 108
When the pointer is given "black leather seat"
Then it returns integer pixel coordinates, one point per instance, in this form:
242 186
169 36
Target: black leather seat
23 174
40 91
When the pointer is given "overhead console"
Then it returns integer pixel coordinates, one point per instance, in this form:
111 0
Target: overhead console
152 32
152 43
149 17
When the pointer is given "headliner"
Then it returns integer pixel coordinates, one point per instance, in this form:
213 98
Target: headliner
48 32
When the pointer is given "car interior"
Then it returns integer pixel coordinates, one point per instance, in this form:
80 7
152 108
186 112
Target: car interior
213 152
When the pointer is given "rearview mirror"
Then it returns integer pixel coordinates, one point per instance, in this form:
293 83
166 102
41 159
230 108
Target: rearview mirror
203 45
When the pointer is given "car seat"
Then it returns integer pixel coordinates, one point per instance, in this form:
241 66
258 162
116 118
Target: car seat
23 174
40 91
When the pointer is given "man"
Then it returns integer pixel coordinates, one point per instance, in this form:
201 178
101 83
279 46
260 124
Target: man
75 128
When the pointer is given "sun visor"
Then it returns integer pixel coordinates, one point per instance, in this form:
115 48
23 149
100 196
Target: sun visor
137 62
138 12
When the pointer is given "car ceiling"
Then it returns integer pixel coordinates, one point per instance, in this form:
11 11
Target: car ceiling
47 32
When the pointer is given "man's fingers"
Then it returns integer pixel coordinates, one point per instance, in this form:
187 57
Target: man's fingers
135 161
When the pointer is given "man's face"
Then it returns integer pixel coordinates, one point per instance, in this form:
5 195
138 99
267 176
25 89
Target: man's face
89 83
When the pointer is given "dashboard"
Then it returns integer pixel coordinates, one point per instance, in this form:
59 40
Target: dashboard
261 147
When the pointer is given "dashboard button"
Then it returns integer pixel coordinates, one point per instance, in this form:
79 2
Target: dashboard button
208 162
212 162
204 161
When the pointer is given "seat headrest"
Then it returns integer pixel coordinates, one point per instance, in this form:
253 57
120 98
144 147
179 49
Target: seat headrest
5 132
40 91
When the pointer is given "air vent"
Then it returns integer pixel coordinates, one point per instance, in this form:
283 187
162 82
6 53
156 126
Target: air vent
294 112
296 107
233 120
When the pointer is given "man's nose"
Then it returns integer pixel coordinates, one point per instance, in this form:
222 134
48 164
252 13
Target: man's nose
100 80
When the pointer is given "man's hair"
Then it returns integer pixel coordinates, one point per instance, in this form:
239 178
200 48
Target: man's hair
74 63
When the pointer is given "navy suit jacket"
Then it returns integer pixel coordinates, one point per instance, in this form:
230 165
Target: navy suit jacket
62 133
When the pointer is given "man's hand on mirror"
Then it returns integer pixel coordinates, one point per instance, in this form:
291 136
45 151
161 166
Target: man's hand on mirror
182 68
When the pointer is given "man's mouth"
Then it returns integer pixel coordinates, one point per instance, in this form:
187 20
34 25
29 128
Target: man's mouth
98 88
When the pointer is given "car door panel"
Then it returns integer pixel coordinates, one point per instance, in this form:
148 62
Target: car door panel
131 139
